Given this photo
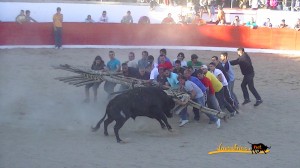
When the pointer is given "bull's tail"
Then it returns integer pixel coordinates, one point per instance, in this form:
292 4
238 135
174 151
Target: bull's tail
249 143
94 129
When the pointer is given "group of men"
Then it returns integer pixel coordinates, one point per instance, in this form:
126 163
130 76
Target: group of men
210 85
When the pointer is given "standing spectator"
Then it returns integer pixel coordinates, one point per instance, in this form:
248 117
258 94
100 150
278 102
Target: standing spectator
268 23
198 21
212 101
247 70
143 62
89 19
168 20
128 72
297 25
152 68
197 96
131 60
273 4
103 18
153 4
172 81
221 16
57 25
199 84
28 18
282 24
127 18
165 63
236 21
98 64
112 66
194 62
163 51
178 68
231 78
181 57
144 20
161 79
219 66
219 90
21 17
206 5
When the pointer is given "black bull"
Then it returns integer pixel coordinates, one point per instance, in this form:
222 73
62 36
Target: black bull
256 148
144 101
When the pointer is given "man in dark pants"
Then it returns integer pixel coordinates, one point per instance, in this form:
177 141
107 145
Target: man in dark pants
247 70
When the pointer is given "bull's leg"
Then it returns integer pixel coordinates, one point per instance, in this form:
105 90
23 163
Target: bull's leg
164 119
163 126
119 124
106 123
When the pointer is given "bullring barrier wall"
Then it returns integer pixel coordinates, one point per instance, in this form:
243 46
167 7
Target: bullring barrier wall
150 35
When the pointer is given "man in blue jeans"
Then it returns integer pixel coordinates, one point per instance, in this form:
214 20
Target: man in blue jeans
247 70
197 96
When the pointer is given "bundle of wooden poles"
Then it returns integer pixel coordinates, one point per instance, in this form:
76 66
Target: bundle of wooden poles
86 76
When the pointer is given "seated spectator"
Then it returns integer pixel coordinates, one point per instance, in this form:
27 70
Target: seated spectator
297 26
236 21
168 20
144 20
198 21
194 62
221 16
21 17
180 57
282 24
103 18
178 68
268 23
252 24
127 18
89 19
28 18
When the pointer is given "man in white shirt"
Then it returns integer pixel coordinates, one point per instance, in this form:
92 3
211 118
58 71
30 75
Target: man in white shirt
221 77
131 60
103 18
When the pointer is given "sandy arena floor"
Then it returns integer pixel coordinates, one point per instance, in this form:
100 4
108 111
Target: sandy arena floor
44 124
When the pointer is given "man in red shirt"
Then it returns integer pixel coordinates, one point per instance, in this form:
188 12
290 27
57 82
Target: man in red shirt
212 101
168 20
164 63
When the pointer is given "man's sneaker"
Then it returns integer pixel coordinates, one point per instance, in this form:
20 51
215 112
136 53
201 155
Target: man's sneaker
233 114
218 123
180 120
246 101
183 122
258 102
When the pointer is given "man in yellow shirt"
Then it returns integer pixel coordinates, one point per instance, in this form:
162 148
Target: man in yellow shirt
57 25
219 92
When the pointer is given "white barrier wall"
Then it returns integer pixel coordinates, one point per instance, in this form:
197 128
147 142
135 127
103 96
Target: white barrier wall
77 12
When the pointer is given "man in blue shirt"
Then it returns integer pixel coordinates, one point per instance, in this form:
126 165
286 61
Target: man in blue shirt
113 65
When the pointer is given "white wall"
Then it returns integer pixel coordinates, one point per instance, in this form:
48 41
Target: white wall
43 12
77 12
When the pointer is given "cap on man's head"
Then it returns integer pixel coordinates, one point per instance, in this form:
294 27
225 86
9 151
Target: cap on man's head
194 56
204 67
